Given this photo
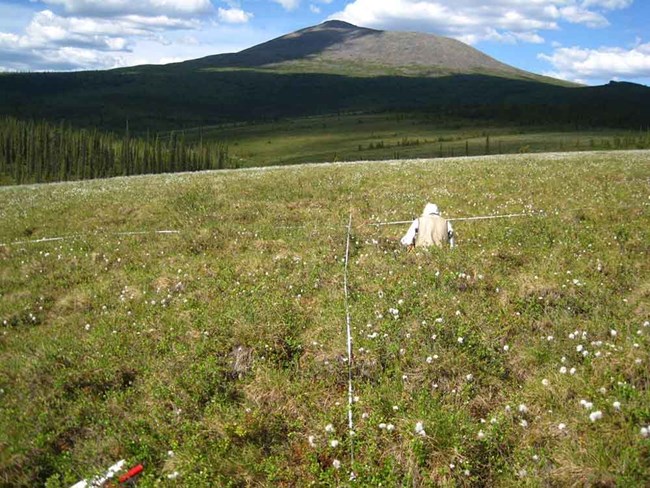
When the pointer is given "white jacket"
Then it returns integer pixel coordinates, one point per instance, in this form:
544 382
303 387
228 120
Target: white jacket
431 226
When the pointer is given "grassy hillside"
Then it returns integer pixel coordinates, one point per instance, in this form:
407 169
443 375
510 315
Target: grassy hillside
352 137
218 353
41 152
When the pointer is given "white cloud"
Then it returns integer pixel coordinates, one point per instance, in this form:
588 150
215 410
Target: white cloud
288 4
102 8
234 16
48 30
608 4
602 64
578 15
168 60
51 41
58 58
477 20
80 34
315 9
84 57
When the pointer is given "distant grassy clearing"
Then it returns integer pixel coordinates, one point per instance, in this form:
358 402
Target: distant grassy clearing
226 345
400 136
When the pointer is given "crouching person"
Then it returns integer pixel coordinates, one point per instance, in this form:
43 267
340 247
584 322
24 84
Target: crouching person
430 229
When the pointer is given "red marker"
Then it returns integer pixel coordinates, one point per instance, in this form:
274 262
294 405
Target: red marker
131 473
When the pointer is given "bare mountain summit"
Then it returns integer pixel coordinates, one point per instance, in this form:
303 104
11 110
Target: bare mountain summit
338 47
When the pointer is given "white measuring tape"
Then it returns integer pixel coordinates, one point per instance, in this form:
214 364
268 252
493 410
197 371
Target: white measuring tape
538 213
163 232
349 340
54 239
100 480
458 219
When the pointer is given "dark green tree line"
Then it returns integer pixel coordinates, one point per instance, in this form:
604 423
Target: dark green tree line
35 152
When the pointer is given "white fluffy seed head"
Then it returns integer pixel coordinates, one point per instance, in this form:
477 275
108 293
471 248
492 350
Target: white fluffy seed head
597 415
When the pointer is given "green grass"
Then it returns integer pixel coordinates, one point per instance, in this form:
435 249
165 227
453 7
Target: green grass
226 343
352 137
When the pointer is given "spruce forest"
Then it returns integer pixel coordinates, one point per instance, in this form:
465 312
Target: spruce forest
38 152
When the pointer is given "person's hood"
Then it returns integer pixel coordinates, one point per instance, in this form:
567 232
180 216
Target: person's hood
430 209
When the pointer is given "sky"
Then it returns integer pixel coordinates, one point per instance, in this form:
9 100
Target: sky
588 41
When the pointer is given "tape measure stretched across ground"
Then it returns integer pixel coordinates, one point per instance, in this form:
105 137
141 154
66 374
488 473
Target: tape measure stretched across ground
349 341
459 219
73 236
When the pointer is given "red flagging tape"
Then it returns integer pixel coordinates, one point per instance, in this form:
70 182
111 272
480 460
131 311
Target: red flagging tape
131 473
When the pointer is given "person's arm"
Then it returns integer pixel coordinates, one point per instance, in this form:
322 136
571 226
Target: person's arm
450 233
409 237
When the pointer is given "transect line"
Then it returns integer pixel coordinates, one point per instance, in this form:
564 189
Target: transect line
489 217
54 239
137 233
457 219
45 239
349 339
538 213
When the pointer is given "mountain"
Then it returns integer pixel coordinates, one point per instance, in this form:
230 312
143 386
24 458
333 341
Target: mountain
337 47
329 68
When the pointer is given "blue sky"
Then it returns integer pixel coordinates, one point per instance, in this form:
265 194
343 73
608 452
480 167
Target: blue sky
591 41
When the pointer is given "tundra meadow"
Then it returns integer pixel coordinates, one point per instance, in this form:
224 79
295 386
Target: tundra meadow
217 356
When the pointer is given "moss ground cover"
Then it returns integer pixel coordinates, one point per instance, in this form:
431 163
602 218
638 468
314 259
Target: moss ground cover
217 356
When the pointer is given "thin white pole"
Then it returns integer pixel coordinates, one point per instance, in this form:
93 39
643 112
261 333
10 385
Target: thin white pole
349 342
